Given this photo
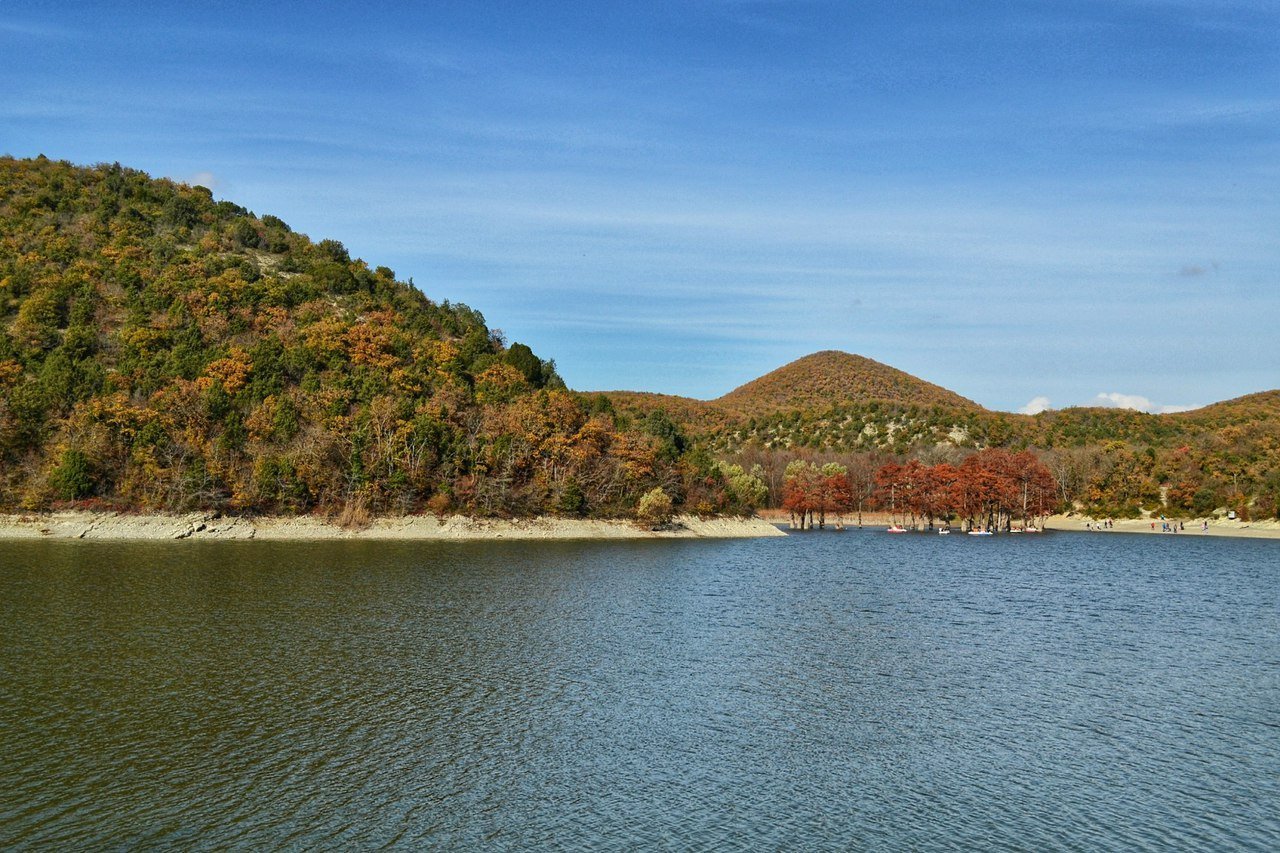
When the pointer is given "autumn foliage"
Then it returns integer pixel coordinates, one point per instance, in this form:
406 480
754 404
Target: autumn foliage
160 350
990 489
812 493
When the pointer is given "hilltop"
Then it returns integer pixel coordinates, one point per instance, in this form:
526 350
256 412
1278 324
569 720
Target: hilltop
814 384
831 379
1257 406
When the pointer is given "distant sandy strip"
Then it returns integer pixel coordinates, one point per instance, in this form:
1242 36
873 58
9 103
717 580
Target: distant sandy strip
99 525
1193 527
124 526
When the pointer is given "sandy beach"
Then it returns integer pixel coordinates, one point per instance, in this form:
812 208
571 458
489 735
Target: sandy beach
111 525
1269 529
116 525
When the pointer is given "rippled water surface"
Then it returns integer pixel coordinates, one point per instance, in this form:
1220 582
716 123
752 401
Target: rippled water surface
1068 691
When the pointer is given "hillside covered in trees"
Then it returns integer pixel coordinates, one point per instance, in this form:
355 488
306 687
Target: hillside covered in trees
835 408
1109 462
161 350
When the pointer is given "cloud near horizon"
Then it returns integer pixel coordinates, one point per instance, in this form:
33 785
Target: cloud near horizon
1035 406
208 180
1116 400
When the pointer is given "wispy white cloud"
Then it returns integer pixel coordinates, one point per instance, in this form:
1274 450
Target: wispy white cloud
1212 112
561 133
33 30
1208 7
660 323
435 59
1116 400
769 16
1035 406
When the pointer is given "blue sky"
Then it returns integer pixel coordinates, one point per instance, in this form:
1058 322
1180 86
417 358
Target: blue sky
1063 202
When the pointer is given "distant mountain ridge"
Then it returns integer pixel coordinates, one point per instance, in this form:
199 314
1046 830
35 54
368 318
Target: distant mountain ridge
833 380
850 410
837 403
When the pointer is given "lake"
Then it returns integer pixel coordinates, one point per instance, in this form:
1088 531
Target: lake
824 691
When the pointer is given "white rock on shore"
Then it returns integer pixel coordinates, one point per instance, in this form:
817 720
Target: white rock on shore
110 525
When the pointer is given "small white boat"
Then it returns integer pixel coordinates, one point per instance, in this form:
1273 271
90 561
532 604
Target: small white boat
981 533
944 531
896 529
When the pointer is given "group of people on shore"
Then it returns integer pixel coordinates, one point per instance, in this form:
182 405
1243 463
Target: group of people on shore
1166 526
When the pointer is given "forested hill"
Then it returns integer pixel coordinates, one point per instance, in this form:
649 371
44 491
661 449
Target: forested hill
161 350
840 408
830 379
811 385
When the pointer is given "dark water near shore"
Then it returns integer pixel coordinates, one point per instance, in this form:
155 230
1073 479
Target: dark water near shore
1068 691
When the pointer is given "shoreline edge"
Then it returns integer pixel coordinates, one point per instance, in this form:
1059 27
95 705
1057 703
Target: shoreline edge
77 524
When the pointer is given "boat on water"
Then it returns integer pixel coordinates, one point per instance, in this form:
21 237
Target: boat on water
981 533
897 529
944 531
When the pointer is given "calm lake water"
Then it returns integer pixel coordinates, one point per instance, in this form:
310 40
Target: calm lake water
1068 691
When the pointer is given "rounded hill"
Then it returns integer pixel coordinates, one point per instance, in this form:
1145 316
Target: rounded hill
830 379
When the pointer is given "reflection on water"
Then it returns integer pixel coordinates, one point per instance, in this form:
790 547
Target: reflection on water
820 690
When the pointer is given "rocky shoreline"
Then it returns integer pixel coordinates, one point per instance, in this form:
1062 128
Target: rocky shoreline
213 526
